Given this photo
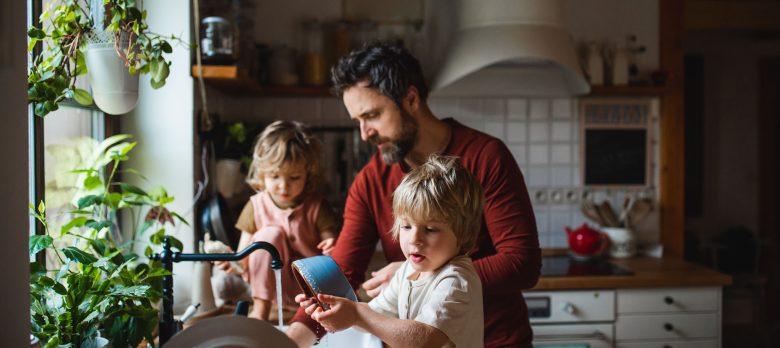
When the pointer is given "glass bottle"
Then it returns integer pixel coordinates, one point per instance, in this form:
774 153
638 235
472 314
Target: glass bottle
313 55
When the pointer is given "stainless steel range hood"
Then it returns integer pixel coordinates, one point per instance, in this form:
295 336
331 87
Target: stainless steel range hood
510 48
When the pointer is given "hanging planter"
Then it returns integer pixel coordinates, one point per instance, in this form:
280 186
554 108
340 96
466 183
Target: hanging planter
111 42
114 89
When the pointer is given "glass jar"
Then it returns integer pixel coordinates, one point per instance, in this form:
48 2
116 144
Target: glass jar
216 41
313 55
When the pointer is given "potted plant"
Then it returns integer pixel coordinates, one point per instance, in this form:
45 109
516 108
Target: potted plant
98 286
109 39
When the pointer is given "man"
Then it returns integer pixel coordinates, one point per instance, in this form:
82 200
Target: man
383 89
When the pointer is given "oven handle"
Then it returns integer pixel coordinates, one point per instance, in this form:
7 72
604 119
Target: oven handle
596 335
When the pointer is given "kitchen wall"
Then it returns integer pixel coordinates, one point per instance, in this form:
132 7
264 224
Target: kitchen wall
543 135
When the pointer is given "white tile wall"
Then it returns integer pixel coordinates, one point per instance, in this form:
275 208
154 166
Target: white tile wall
542 135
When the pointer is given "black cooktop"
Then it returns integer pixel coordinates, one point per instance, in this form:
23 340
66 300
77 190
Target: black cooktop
565 266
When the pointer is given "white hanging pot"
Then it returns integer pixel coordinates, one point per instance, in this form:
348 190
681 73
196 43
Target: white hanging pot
114 89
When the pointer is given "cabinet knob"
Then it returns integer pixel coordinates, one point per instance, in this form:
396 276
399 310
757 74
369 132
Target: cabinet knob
568 308
668 327
668 300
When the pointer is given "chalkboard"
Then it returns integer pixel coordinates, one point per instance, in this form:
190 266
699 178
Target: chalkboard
615 156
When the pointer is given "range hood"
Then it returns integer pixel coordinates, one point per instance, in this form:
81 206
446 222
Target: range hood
510 48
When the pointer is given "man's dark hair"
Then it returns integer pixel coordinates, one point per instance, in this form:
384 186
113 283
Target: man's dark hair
388 67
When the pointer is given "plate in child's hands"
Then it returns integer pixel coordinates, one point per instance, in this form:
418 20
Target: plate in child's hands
321 275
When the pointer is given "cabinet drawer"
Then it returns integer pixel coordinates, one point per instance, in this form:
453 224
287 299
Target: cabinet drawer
668 300
574 335
670 344
573 306
669 327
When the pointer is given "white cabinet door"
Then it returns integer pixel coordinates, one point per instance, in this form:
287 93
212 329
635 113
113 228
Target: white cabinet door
668 300
672 326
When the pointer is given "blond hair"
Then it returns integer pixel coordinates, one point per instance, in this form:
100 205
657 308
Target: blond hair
285 142
441 190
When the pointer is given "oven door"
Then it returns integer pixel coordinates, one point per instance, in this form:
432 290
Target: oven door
574 335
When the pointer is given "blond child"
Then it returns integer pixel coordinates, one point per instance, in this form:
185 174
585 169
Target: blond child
286 212
435 297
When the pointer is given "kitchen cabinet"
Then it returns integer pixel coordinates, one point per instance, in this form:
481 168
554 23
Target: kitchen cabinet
652 317
668 317
234 81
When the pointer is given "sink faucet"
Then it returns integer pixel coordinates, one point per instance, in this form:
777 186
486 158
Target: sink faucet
167 325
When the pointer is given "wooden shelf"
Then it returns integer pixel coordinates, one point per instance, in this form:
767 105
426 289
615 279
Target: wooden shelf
235 81
628 91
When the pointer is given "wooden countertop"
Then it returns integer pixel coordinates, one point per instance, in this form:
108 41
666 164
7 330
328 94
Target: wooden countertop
648 273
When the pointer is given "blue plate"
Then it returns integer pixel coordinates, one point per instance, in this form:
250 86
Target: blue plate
321 275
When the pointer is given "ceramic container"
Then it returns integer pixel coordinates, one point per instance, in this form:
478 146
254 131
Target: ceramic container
321 275
621 242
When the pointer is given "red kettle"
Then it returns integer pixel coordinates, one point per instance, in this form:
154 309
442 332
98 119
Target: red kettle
586 243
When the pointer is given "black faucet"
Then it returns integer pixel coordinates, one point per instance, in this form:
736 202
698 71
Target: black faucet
168 326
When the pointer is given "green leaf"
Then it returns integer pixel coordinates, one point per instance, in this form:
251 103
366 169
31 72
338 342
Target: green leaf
60 289
135 290
38 243
166 47
92 182
36 33
175 243
132 189
98 225
81 64
76 222
78 255
41 208
82 97
89 200
180 218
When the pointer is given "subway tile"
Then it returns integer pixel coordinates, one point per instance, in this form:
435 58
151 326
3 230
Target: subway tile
517 109
558 240
538 154
561 131
494 109
445 108
519 153
561 154
575 175
540 109
515 132
495 129
470 108
542 219
539 176
539 131
562 108
561 176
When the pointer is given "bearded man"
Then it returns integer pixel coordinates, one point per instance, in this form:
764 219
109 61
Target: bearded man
383 89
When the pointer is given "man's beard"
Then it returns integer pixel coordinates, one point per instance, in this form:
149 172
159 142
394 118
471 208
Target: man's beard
393 151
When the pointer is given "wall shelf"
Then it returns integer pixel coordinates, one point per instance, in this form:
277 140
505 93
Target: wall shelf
235 81
627 91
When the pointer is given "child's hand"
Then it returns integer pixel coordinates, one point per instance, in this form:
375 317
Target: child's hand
327 245
306 302
380 279
341 315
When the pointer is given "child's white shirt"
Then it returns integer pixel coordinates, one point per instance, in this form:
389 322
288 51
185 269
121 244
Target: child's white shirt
449 300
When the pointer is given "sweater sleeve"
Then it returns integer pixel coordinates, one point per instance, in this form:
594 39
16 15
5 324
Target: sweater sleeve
511 225
355 245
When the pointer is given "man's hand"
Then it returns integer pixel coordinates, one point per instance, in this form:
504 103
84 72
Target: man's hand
301 335
327 245
341 315
380 279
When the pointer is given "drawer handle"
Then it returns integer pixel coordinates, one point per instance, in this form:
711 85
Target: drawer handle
668 300
668 327
596 335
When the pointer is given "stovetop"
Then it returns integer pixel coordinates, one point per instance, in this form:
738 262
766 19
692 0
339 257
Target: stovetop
565 266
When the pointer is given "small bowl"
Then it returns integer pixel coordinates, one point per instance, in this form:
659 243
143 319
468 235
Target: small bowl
321 275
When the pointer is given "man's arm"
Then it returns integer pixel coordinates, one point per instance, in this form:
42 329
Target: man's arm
510 223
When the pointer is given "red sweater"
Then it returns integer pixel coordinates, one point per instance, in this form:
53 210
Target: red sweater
507 255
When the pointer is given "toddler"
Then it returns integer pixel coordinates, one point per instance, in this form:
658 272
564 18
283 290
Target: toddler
286 212
435 297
